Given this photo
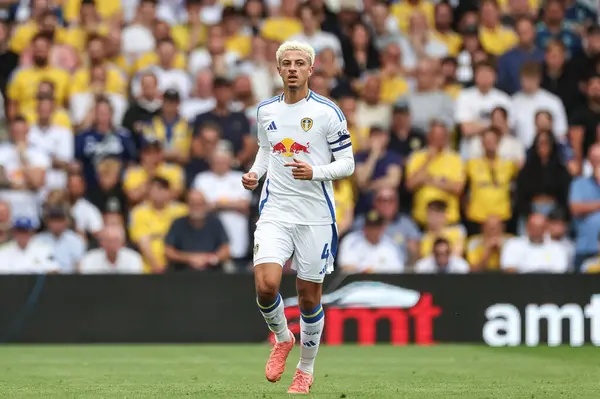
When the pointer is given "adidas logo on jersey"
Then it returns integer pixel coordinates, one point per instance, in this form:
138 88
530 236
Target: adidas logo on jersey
271 127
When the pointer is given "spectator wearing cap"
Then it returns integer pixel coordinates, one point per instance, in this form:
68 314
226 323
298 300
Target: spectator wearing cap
495 38
404 137
56 141
68 247
509 148
428 102
526 50
283 26
369 250
399 227
475 104
87 219
531 100
146 106
113 257
224 195
59 116
442 260
21 90
370 110
136 178
584 203
197 241
435 173
150 222
24 254
437 226
534 252
102 140
560 77
558 230
490 180
172 131
311 33
483 250
444 19
234 125
584 121
22 172
169 75
109 195
375 168
554 26
5 223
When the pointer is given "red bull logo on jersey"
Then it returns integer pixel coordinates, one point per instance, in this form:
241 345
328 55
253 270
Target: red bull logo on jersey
288 148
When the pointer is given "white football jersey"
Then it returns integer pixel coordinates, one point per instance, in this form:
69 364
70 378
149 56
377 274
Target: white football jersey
311 130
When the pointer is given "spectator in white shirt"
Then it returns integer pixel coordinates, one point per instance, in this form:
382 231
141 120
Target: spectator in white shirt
137 37
532 99
167 75
202 99
474 105
86 216
24 255
56 141
442 260
112 257
220 186
214 56
311 33
558 229
22 172
67 245
535 252
369 250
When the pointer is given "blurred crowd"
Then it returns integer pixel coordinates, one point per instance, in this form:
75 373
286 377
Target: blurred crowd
126 126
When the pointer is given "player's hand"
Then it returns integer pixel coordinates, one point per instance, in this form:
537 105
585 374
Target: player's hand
250 180
301 170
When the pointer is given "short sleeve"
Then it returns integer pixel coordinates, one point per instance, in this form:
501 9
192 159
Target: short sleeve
411 231
413 163
65 151
576 193
462 112
510 256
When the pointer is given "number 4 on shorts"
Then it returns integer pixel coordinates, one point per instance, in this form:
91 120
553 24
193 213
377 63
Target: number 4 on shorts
325 253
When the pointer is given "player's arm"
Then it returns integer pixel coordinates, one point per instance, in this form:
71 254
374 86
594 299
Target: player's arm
261 162
338 139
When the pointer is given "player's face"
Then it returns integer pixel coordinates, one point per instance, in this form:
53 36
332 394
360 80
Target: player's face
295 69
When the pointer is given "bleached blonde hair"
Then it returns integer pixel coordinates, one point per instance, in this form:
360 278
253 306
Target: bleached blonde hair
304 48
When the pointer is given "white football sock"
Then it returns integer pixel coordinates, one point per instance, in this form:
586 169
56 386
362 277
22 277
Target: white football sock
311 327
275 317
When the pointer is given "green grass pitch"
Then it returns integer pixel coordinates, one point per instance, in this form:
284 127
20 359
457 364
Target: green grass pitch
237 371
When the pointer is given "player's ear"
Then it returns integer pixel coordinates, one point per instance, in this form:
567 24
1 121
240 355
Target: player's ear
310 70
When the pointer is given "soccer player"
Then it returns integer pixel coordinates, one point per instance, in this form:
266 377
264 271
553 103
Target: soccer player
298 132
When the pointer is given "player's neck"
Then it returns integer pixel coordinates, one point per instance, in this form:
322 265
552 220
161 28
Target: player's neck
293 96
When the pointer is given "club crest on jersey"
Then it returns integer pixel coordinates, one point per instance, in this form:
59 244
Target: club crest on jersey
306 124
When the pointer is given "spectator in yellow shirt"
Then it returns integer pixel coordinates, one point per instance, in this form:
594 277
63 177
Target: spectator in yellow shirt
108 9
283 26
23 86
170 129
115 80
490 178
59 117
343 193
237 41
135 182
150 222
89 23
495 38
483 250
393 84
437 227
404 9
25 32
443 28
435 173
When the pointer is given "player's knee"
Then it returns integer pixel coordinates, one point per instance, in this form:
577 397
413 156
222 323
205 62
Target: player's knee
267 289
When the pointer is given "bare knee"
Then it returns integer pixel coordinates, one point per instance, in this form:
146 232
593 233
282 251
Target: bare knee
309 294
267 278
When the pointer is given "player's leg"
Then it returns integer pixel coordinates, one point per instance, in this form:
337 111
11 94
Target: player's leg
315 248
272 248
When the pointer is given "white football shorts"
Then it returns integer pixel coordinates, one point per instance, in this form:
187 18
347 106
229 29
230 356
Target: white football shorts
312 248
